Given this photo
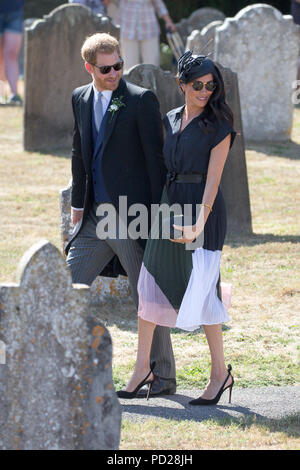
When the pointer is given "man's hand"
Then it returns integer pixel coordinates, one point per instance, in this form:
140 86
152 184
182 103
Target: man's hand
76 215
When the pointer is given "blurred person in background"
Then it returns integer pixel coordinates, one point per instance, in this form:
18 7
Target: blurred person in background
97 6
140 31
11 32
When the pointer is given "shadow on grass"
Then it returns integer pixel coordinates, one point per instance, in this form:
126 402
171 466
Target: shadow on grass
252 239
123 313
125 318
219 414
288 149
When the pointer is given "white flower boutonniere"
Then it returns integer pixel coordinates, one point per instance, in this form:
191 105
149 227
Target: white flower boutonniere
116 104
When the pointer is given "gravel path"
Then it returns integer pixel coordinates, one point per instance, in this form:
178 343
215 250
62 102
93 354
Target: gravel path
263 402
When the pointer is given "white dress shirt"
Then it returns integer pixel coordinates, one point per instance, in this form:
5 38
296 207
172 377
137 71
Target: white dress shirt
105 98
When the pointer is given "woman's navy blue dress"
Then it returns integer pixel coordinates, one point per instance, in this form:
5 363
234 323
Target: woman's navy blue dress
180 287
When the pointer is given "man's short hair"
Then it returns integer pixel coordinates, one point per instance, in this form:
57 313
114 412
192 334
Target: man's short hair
99 42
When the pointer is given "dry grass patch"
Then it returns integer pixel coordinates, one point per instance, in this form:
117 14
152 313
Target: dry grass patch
29 194
262 339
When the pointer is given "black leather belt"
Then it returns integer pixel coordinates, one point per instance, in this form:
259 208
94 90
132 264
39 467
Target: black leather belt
185 178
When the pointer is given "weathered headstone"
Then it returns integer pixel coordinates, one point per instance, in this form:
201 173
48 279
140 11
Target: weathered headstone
56 389
234 182
2 352
197 20
26 24
262 46
66 226
54 67
162 83
104 291
203 41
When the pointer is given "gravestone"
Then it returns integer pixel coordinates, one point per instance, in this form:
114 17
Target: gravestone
66 226
203 42
2 352
262 47
197 20
105 291
56 388
26 24
54 67
162 83
234 182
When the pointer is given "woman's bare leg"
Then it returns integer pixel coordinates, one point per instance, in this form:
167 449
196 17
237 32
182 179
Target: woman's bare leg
11 47
2 70
218 368
142 365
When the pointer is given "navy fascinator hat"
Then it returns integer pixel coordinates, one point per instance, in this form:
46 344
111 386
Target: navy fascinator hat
193 66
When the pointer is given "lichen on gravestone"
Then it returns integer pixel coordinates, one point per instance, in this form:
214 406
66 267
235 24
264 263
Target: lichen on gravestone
260 45
56 361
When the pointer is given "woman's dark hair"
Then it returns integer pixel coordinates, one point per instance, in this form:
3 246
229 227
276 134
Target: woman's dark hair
217 105
216 108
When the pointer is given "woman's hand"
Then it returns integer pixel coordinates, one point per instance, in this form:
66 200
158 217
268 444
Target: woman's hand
189 233
169 23
76 215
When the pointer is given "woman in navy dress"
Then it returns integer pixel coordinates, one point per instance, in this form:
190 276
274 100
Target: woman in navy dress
179 283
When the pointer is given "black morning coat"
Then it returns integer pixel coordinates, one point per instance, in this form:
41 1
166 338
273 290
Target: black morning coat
132 161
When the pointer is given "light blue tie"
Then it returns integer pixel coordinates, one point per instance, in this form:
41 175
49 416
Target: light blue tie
98 111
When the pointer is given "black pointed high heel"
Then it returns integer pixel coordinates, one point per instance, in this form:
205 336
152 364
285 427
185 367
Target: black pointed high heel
133 394
214 401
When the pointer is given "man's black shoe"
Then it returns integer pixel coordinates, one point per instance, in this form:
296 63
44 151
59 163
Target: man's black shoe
159 387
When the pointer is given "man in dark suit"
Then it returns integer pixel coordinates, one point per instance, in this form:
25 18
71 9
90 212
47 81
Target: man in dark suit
117 151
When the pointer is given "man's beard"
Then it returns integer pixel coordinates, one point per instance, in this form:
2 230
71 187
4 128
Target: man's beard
107 85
